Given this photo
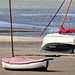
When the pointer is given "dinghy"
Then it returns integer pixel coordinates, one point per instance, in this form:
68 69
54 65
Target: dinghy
24 63
60 42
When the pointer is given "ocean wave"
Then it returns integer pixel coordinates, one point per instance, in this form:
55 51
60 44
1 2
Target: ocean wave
45 14
15 25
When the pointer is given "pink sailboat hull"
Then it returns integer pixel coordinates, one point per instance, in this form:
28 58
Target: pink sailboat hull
23 63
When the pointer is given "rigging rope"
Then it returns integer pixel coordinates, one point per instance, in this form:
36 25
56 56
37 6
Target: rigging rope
53 17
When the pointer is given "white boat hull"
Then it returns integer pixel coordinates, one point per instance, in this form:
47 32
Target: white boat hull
58 43
42 64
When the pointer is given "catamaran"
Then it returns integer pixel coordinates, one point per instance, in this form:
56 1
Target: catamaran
59 42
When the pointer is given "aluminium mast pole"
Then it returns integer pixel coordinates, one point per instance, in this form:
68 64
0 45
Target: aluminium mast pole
11 28
53 17
66 13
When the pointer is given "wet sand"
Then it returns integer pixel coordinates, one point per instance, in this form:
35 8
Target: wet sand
7 29
33 32
29 47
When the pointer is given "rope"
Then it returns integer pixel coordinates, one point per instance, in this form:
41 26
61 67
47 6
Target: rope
53 17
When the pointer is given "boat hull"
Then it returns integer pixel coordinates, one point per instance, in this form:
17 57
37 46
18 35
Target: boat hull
35 65
58 47
58 43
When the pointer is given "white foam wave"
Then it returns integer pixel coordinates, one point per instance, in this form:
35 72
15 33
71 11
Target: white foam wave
44 14
6 24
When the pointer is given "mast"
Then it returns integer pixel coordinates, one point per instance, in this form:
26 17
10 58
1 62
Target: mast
66 13
11 28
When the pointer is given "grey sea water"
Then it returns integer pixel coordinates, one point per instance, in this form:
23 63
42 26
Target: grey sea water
37 18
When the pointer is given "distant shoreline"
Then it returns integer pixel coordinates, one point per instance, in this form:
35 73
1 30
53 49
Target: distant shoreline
21 32
7 29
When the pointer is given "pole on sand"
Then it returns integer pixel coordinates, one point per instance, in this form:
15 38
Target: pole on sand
11 28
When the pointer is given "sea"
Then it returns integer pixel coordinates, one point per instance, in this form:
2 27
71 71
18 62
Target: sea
36 18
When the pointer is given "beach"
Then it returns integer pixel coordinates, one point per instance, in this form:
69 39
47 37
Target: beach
30 17
30 47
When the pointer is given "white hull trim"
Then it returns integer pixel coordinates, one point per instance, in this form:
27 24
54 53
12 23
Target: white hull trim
58 38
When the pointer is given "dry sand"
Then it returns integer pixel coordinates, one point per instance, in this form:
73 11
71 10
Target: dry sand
29 47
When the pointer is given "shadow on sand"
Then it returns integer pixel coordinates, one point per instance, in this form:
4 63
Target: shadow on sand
36 70
40 55
56 55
